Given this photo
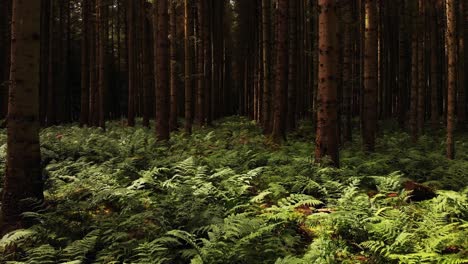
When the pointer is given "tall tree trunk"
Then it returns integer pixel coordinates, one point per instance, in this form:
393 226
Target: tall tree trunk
162 72
434 68
452 75
266 21
421 68
23 178
188 59
146 64
102 25
461 101
347 70
281 81
326 142
84 113
200 92
51 116
174 113
369 114
5 15
131 62
293 61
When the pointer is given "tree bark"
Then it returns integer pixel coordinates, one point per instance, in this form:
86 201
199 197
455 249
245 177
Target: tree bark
369 114
451 75
281 81
162 71
23 178
84 113
188 59
131 45
326 142
174 113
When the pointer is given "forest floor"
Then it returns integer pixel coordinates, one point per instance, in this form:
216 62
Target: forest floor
227 194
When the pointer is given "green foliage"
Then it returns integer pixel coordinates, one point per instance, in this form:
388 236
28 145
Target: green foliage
228 195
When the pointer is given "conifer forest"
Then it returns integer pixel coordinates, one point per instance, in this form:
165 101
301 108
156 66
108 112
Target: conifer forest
233 131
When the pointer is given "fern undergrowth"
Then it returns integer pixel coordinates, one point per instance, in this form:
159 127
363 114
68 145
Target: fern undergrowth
228 195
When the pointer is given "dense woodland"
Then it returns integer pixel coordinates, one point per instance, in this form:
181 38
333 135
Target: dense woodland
241 131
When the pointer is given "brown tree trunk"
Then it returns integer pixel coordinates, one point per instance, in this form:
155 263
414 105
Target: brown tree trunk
51 116
146 64
434 66
200 92
5 15
173 69
84 113
162 72
369 115
421 69
131 45
266 21
326 142
293 61
347 70
102 25
23 178
452 75
188 60
461 101
281 78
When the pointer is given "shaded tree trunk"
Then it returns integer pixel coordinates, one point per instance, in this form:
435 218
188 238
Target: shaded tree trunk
23 178
173 68
188 60
162 72
131 45
326 142
281 78
84 113
369 114
451 75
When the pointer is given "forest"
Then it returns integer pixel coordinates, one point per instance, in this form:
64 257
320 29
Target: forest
233 131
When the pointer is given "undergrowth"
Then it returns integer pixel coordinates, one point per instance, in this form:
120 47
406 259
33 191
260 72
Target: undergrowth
229 195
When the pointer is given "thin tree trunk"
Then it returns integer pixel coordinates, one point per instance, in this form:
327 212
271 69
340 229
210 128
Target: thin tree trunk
131 62
266 18
452 75
188 47
84 113
174 113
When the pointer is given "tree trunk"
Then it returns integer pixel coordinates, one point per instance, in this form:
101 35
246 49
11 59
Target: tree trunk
5 15
451 75
188 59
173 65
162 72
281 81
131 45
84 113
200 93
326 142
266 21
102 25
434 66
23 178
293 62
369 114
347 70
461 102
